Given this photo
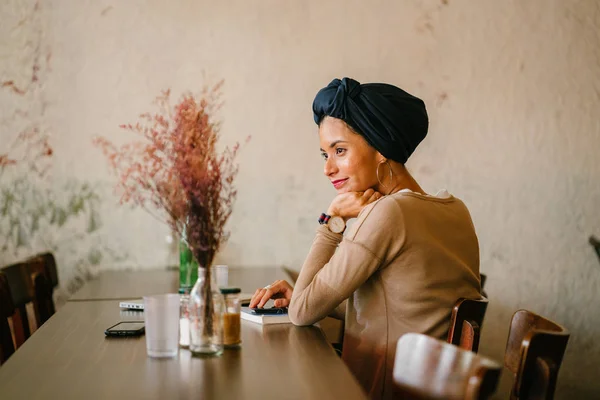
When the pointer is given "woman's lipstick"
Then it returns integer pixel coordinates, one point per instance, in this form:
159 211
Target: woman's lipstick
339 182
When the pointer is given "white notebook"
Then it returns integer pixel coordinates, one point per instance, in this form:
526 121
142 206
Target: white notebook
265 319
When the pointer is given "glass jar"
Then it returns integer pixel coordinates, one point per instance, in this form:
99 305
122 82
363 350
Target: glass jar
184 318
231 318
206 307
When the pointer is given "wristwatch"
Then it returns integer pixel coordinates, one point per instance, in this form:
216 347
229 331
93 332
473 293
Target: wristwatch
335 224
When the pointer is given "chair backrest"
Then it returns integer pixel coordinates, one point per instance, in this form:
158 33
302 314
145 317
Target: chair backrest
50 267
428 368
534 352
7 309
30 281
466 322
22 293
43 303
44 283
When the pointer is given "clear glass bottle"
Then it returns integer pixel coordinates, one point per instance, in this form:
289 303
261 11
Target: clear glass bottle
231 318
184 318
206 307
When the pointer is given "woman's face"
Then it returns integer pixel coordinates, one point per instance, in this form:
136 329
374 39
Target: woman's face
350 162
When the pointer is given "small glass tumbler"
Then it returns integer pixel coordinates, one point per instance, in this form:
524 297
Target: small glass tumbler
231 318
161 317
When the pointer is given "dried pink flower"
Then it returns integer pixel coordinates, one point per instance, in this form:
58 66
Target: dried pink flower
175 168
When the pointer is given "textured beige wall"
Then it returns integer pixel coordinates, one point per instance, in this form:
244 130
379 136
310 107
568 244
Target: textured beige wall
512 88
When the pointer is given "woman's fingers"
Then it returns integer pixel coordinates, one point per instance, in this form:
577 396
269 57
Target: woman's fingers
279 290
261 296
256 297
281 303
374 196
273 290
370 196
368 193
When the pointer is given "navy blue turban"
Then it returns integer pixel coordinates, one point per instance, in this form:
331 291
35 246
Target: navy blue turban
391 120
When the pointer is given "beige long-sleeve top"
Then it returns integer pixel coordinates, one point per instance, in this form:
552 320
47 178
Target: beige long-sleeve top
401 266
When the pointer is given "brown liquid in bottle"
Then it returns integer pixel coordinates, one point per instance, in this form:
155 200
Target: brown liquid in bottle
231 329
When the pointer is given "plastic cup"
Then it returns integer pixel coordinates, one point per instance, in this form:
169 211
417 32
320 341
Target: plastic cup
161 317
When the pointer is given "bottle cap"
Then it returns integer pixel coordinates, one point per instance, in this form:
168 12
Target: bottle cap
230 290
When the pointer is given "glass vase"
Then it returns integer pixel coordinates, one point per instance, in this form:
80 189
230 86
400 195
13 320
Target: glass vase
206 309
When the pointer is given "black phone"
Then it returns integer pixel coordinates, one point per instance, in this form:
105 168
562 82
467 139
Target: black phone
272 310
129 328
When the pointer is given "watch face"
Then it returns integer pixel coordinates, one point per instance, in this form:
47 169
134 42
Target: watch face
336 224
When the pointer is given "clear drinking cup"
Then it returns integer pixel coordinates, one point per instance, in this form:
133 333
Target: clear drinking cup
221 275
161 317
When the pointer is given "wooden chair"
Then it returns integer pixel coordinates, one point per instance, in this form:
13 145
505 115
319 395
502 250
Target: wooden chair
22 293
49 267
428 368
39 282
466 322
30 281
534 352
44 282
7 310
43 302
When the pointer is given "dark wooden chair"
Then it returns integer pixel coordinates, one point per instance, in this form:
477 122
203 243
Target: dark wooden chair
428 368
466 322
534 352
31 282
22 293
44 281
7 310
50 267
43 302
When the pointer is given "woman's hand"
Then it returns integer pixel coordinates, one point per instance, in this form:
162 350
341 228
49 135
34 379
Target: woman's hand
281 291
348 205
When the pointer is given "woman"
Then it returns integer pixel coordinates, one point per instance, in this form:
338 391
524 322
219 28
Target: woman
406 259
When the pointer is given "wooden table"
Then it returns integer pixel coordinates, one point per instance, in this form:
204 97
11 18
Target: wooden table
70 358
125 285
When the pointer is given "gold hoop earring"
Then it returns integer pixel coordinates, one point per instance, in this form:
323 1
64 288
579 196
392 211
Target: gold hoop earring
391 173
